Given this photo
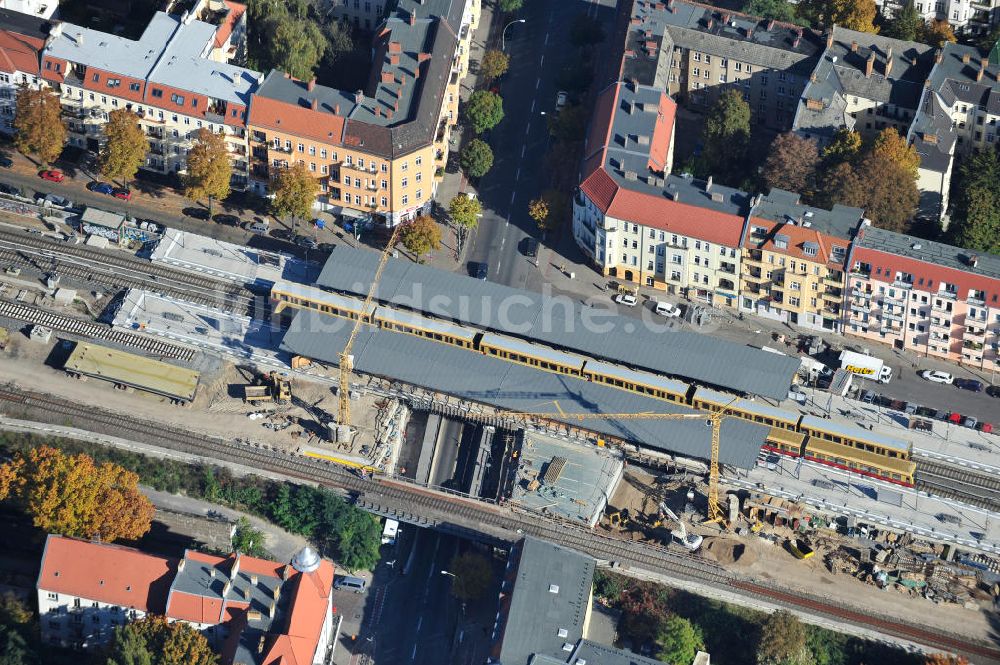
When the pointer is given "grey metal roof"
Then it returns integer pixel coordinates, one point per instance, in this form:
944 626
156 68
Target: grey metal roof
955 80
562 323
626 374
932 134
537 350
783 206
24 24
593 653
479 378
746 405
855 433
536 613
933 253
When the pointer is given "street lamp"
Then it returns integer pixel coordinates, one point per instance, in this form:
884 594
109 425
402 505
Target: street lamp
503 33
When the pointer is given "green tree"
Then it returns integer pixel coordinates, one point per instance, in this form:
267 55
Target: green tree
338 41
791 164
494 64
783 641
852 14
484 110
476 159
464 211
13 611
585 30
152 640
569 124
680 641
845 146
726 134
608 585
906 24
125 146
473 575
509 6
248 540
38 125
987 41
421 236
979 226
14 649
294 189
296 46
779 10
358 537
644 612
209 168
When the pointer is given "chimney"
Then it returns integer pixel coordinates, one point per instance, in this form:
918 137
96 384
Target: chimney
984 62
336 109
973 260
930 138
226 589
670 6
829 38
270 610
854 47
711 22
888 62
79 39
180 566
749 33
253 580
359 96
284 576
966 58
211 573
413 18
236 567
387 77
813 78
870 64
708 184
979 74
423 57
315 104
770 25
938 55
311 85
795 42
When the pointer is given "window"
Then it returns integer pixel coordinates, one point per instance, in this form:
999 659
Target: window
322 153
53 596
708 58
696 72
406 199
404 182
302 148
420 194
419 177
385 201
418 161
361 162
312 151
96 77
385 184
157 92
697 57
177 99
385 167
403 166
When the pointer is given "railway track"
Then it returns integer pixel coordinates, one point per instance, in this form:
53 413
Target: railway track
976 488
91 330
120 271
477 514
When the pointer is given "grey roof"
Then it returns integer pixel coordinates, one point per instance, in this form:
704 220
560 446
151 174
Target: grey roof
536 613
170 51
562 323
746 405
24 24
955 80
934 253
450 10
599 654
898 73
932 134
729 34
479 378
783 206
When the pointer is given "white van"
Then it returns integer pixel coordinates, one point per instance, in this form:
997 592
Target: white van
668 310
355 584
260 226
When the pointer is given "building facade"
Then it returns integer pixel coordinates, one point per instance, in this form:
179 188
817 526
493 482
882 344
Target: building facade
43 9
793 261
924 298
22 39
250 610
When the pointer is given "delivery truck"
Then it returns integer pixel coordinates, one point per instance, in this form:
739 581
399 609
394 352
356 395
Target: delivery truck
865 366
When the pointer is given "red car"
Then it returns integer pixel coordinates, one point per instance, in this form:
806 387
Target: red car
52 175
123 194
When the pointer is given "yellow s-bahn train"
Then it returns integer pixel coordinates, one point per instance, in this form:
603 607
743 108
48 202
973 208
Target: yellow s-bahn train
817 439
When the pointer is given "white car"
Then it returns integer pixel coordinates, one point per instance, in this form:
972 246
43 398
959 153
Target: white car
668 310
561 99
627 299
936 376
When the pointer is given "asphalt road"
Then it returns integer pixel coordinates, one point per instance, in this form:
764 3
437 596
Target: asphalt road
539 48
419 621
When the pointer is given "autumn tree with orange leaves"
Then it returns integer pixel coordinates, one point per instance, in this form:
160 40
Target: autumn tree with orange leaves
945 659
155 641
72 496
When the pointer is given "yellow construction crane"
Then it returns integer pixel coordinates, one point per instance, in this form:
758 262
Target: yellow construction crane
714 418
346 360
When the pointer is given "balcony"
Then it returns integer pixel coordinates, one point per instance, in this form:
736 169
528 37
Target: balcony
972 346
275 147
892 316
858 293
941 325
832 296
949 295
978 333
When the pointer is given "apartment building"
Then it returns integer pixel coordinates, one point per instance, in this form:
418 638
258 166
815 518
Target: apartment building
43 9
639 223
696 51
863 82
362 14
22 39
166 77
252 611
923 297
967 17
959 112
793 260
375 151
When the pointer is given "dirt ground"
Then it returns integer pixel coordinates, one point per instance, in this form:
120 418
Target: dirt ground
218 408
763 560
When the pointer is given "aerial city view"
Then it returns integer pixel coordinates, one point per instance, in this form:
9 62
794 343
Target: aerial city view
499 332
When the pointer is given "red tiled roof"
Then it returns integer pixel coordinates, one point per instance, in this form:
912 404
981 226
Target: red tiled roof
292 119
601 121
19 52
305 623
194 608
107 573
236 10
677 217
797 236
932 273
663 133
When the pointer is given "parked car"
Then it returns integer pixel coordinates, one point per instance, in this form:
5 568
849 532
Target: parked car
10 189
993 391
306 241
530 248
101 187
937 376
561 98
52 175
122 193
970 422
668 310
196 213
969 384
226 219
479 270
6 162
627 299
985 428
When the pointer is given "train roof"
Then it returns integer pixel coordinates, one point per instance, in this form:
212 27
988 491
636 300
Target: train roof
562 323
855 433
319 295
406 318
509 386
745 405
645 378
535 350
153 376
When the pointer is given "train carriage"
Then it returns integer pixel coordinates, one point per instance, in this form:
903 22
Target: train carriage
644 383
421 326
533 355
713 400
785 442
854 437
863 462
285 294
